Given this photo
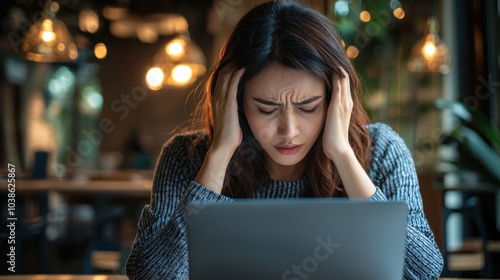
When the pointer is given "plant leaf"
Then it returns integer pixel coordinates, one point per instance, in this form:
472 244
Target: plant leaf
457 108
488 129
479 149
490 132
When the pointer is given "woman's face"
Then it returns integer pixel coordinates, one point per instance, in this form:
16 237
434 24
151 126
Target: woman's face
286 110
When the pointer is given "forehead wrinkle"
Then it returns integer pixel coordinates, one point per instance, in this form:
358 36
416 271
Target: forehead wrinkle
289 95
292 90
278 84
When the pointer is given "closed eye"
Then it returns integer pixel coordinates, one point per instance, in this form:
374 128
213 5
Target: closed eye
309 111
266 112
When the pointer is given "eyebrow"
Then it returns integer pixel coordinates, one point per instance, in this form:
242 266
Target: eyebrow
271 103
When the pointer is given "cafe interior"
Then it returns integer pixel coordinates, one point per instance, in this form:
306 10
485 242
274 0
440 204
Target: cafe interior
91 90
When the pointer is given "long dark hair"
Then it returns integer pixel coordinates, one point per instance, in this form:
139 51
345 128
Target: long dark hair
297 37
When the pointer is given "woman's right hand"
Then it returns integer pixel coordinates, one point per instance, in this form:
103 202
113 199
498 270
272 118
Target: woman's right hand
227 131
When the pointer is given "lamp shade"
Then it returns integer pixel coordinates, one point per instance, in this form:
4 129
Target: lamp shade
48 40
177 64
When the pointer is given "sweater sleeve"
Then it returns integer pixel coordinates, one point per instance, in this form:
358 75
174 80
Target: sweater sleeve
393 173
160 247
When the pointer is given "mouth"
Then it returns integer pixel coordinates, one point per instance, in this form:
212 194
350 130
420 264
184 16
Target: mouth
288 150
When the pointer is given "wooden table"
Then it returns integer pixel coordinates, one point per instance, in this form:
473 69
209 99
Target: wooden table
108 198
122 188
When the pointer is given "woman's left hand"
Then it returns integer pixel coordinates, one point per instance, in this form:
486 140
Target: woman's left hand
336 132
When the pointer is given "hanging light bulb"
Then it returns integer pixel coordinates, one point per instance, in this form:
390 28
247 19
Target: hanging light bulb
47 33
177 64
176 48
430 54
48 39
155 78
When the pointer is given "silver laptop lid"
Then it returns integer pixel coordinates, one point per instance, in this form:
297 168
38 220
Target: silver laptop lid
297 239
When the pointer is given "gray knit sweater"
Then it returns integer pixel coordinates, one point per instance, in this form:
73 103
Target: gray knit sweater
160 248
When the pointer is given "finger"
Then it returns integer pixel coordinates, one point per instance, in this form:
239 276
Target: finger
223 80
336 89
233 85
222 85
344 73
345 79
344 89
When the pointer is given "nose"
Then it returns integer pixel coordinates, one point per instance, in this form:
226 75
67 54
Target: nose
288 127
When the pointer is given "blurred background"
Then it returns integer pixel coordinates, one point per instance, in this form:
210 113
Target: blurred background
90 90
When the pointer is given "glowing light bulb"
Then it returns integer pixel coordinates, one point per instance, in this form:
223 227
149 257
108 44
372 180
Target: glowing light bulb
429 50
176 48
47 34
429 54
154 78
181 74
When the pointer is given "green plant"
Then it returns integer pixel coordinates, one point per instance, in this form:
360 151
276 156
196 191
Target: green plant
477 136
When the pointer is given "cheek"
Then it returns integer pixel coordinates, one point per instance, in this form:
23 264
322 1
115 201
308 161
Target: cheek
264 135
262 129
314 126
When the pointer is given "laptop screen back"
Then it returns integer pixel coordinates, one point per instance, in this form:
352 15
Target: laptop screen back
297 239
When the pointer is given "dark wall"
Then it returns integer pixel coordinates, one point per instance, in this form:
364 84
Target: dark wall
477 41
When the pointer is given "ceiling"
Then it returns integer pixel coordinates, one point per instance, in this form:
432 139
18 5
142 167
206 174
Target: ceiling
17 15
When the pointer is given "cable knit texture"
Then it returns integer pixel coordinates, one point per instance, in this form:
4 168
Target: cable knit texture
160 248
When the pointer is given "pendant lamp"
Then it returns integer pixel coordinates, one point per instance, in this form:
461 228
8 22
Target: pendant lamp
430 54
48 39
177 64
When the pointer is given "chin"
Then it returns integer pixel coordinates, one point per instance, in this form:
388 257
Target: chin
287 160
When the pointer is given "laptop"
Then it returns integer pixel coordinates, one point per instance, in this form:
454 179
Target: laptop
297 239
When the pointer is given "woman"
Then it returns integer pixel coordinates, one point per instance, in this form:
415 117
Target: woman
282 118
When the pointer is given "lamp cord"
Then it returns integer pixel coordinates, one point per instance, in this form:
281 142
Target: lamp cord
48 9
